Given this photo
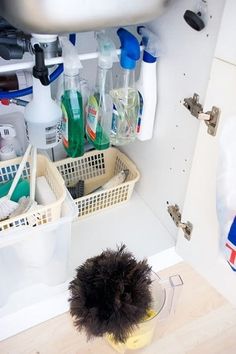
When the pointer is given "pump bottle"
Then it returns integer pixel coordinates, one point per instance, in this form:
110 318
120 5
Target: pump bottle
71 102
100 105
147 84
125 96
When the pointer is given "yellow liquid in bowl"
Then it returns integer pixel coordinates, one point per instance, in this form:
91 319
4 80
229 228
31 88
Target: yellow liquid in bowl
140 338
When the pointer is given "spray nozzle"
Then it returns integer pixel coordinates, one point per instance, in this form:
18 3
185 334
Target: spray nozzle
107 51
72 63
130 49
151 44
40 71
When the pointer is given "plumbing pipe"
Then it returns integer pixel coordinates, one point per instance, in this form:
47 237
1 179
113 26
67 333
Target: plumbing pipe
28 90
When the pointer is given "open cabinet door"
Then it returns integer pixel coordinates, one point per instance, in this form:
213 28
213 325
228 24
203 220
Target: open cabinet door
203 249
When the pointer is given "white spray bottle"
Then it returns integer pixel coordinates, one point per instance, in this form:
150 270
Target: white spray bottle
42 114
147 83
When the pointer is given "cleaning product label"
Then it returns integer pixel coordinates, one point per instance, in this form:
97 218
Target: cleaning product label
140 112
65 129
230 246
92 117
115 116
48 136
53 134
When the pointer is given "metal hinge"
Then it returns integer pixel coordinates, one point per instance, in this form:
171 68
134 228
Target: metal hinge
211 118
176 216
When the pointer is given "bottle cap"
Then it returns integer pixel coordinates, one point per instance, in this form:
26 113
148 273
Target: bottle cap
106 51
72 63
151 44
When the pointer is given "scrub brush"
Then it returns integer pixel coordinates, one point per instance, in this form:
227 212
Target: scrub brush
7 206
111 294
77 191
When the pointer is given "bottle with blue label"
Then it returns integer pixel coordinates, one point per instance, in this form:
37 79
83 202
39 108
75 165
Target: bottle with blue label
100 104
125 96
226 189
147 83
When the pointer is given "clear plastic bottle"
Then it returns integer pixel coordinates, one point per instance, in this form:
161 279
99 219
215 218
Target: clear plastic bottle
126 110
72 122
125 96
100 104
71 103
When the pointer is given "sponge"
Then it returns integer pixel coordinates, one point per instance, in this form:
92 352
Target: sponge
22 189
43 192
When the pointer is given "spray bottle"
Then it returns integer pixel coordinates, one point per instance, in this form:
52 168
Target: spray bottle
100 104
42 114
9 144
126 97
147 83
71 102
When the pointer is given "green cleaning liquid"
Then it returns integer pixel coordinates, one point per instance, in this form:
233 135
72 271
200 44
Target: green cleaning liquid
100 104
71 102
73 123
96 134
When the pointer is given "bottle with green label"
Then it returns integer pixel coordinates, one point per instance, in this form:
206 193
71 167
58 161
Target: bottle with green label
71 102
100 104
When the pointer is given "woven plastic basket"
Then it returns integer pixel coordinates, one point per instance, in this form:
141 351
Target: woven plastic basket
43 214
96 168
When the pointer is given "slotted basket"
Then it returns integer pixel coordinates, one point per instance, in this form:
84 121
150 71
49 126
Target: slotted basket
43 214
96 168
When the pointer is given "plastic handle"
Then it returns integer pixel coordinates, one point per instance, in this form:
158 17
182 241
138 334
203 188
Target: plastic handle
19 171
172 287
33 173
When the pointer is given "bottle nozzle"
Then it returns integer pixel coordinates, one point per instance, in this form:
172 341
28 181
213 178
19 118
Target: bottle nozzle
40 71
151 44
72 63
130 49
107 50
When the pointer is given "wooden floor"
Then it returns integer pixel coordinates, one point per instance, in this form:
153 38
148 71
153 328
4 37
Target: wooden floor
204 323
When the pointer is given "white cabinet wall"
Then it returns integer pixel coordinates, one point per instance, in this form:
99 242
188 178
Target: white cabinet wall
184 68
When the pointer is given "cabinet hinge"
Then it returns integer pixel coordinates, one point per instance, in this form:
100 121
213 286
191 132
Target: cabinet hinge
176 216
211 118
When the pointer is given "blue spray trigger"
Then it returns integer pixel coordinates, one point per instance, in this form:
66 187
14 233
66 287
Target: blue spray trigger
151 44
130 49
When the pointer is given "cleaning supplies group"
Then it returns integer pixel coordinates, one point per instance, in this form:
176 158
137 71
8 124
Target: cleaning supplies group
43 123
78 190
112 114
18 196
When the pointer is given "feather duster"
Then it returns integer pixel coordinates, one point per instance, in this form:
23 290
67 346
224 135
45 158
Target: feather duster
110 294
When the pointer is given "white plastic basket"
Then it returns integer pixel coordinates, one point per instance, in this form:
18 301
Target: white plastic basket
96 168
43 214
33 260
